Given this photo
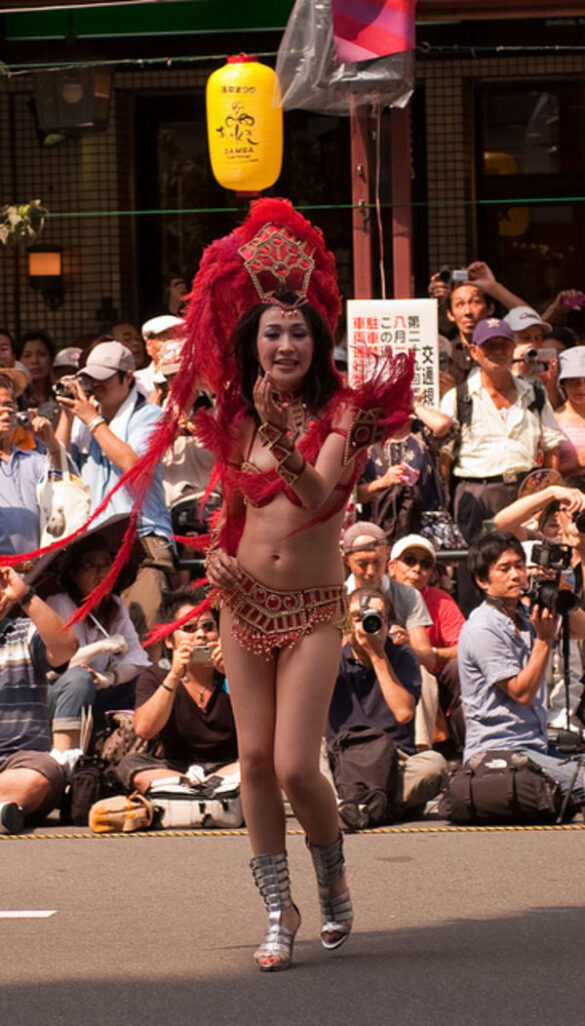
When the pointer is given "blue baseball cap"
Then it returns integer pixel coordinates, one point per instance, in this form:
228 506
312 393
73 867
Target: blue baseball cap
491 327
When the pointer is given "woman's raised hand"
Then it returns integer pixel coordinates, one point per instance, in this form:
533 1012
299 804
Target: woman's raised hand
267 407
223 571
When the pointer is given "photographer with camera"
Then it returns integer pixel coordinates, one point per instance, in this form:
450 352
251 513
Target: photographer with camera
106 424
373 704
31 781
503 655
553 519
505 426
21 468
185 711
465 296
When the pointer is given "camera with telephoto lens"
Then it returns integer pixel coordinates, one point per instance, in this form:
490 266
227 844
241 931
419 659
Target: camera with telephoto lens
371 618
548 592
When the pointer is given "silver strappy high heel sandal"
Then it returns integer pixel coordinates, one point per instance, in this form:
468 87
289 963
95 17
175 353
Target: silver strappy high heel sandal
337 912
272 879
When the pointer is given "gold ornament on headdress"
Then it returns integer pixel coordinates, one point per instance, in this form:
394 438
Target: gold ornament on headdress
278 262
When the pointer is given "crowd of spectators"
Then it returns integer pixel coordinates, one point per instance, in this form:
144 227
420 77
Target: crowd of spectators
458 660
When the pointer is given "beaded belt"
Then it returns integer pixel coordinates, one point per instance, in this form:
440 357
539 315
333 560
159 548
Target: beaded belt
265 619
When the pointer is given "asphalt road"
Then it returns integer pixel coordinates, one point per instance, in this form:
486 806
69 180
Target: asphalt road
457 929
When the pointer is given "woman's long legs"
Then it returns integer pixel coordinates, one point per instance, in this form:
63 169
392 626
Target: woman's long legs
252 689
305 679
280 707
251 681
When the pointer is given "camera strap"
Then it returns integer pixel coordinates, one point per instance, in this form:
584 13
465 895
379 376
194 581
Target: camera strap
516 615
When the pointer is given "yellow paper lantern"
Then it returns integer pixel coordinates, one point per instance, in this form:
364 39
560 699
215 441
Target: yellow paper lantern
244 129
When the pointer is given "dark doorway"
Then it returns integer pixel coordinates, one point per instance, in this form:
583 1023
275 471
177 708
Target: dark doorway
174 175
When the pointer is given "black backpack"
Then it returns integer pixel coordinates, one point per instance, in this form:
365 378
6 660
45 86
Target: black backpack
502 787
365 770
91 780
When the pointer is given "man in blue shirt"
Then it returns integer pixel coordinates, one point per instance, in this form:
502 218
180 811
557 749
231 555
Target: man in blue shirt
106 433
20 470
502 656
378 686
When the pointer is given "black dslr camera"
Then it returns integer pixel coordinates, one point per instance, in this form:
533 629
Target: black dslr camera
547 591
371 619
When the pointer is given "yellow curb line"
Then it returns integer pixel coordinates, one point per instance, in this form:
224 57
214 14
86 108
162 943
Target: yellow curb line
292 832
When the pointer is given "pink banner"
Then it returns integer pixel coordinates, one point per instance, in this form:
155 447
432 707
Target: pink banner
365 29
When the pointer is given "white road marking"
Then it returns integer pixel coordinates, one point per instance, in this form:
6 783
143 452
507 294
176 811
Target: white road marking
29 914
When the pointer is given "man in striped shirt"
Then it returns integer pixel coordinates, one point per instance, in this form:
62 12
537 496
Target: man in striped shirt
31 782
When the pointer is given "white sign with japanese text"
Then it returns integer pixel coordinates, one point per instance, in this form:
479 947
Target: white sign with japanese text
376 325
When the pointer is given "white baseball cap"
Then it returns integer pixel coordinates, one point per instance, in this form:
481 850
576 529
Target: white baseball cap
156 325
572 363
412 541
521 317
68 357
107 358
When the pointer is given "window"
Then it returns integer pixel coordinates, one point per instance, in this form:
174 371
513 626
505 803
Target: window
531 148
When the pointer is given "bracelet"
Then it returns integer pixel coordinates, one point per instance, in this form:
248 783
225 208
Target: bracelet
270 433
93 424
173 691
26 598
290 477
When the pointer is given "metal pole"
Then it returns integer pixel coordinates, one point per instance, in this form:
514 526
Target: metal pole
360 194
401 198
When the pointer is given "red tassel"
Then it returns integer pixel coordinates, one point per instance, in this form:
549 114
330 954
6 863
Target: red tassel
165 629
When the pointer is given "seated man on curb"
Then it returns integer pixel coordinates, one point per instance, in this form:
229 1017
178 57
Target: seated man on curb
378 686
186 709
31 782
365 554
413 561
503 654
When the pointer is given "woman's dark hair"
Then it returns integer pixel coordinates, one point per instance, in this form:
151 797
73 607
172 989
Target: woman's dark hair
107 609
30 336
487 549
322 380
185 596
8 334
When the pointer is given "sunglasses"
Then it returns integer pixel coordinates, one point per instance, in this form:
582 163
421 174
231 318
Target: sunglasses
192 628
425 564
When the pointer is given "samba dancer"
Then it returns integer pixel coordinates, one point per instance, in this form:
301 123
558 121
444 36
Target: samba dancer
289 440
288 467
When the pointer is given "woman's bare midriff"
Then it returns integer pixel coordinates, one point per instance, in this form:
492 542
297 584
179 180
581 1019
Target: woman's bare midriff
274 556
